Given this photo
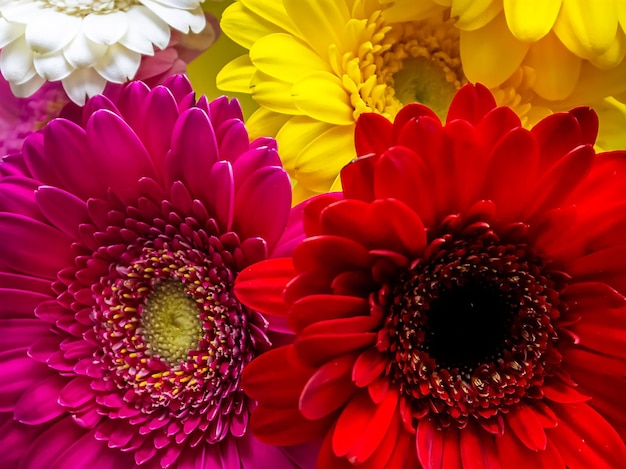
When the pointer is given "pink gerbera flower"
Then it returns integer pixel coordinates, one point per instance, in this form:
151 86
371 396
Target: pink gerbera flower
462 304
121 234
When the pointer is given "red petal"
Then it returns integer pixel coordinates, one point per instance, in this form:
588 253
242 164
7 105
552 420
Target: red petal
402 174
286 426
478 449
595 361
357 178
276 378
330 253
585 440
369 365
319 349
471 103
588 121
397 227
410 112
430 443
561 179
350 325
557 135
372 134
605 266
556 391
373 435
314 308
312 212
527 427
515 455
511 170
261 286
329 388
497 123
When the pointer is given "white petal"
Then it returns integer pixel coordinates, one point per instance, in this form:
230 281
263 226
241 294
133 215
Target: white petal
27 88
53 67
180 4
16 61
82 52
105 29
9 31
82 84
182 20
51 31
142 22
118 64
21 12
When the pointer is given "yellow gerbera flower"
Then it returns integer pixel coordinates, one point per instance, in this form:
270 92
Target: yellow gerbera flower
315 66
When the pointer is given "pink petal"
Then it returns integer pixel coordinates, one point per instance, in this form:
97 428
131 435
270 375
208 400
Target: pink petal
19 303
32 247
38 404
62 209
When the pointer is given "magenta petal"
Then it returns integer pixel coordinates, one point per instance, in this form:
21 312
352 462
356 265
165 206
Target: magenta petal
222 194
48 445
221 110
88 452
120 154
179 86
24 282
15 439
76 393
131 102
19 303
21 333
194 150
253 160
67 150
232 139
230 454
32 247
24 372
256 455
159 117
39 403
17 195
62 209
262 205
37 163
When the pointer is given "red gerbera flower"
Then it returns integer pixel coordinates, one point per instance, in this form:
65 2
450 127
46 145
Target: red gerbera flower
121 234
460 305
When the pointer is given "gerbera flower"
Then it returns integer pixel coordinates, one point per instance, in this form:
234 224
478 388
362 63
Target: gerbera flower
85 44
461 304
121 236
315 68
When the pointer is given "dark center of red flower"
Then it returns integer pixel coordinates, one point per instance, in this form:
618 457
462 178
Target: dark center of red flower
469 328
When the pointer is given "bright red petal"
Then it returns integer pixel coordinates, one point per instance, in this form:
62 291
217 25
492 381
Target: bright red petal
261 285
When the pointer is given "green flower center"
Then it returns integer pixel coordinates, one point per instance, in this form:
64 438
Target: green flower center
170 321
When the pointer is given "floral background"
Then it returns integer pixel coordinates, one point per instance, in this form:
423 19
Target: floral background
332 234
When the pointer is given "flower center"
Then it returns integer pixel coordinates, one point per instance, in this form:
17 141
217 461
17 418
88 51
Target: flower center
171 322
86 7
469 329
423 64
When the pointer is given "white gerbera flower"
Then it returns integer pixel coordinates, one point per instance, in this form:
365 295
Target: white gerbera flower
86 43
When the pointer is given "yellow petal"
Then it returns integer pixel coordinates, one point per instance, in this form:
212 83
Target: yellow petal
273 94
491 54
321 22
272 11
245 27
265 123
471 14
556 68
612 117
321 160
299 193
322 96
297 132
614 55
410 10
236 75
293 61
530 20
593 25
595 84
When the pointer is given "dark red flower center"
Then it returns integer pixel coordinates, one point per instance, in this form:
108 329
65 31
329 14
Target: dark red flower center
471 327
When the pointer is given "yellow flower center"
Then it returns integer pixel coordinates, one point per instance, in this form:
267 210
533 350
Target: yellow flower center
86 7
170 322
423 64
